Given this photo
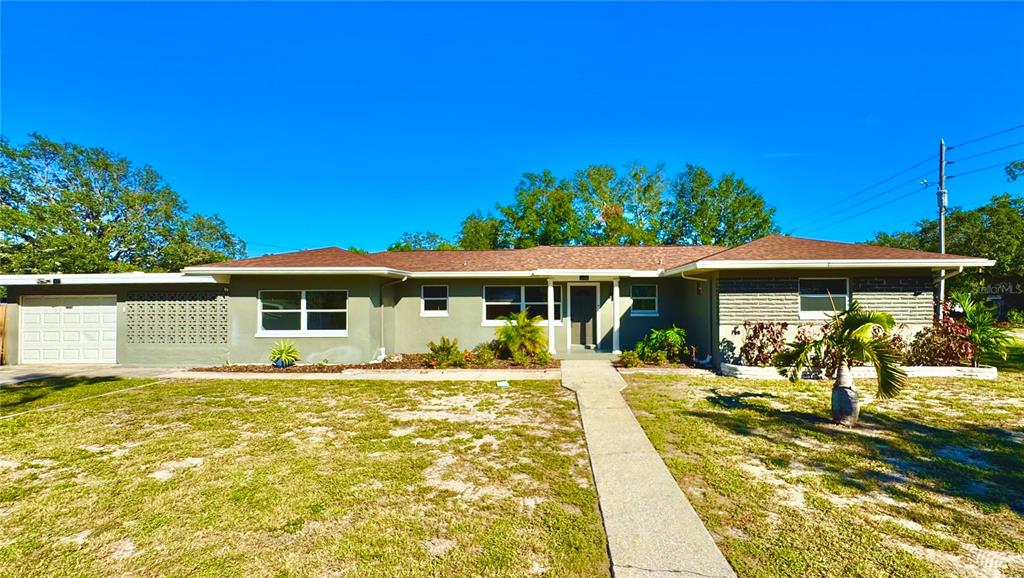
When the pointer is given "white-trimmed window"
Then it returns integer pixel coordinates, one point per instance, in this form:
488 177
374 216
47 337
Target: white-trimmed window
501 300
645 300
821 297
434 301
303 313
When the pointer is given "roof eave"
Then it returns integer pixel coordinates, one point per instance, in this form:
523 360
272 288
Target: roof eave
132 278
293 270
720 265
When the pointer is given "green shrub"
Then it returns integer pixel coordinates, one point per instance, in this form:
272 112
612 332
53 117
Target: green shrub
664 345
543 357
629 359
444 353
981 318
483 355
1015 317
520 358
520 333
284 354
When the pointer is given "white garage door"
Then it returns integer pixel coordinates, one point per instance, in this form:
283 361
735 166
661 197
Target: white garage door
69 329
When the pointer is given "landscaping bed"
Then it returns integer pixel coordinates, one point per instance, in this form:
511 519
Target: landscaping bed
302 479
931 484
865 372
410 361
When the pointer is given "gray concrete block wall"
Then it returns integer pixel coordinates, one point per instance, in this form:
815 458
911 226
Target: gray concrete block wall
909 299
772 299
757 296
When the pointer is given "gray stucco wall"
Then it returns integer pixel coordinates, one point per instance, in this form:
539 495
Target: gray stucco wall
908 294
183 338
363 320
678 303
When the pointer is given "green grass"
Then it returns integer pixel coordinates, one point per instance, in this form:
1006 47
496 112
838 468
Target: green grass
35 394
1014 359
930 484
302 479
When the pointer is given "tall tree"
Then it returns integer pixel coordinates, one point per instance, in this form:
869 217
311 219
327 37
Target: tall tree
541 214
644 193
422 241
618 209
480 231
703 211
73 209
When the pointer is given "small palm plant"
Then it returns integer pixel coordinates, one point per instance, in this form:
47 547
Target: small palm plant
284 354
520 333
854 335
981 318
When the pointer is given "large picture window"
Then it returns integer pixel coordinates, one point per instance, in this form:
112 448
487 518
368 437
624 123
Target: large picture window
819 297
505 300
434 301
645 300
298 313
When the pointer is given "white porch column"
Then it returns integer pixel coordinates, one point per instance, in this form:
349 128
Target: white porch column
551 316
615 317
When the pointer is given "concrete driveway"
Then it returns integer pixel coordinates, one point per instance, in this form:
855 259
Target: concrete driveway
11 374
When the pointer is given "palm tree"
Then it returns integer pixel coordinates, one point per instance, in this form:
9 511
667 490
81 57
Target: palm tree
985 335
521 333
854 335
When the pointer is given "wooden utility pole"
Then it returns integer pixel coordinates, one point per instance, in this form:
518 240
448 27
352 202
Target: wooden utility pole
943 198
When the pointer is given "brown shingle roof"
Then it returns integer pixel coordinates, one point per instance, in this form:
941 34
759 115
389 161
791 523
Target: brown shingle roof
781 248
649 258
326 257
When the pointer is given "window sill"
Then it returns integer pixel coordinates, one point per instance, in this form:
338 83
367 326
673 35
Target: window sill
815 315
433 314
496 323
330 333
647 314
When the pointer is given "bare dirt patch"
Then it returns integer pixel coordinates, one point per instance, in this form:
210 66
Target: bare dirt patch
169 469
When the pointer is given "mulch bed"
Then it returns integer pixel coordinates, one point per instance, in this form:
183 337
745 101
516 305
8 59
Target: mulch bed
407 361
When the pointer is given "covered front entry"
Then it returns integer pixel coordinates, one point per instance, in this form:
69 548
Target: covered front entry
68 329
583 315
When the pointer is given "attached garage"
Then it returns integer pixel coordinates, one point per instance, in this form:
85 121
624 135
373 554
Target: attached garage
69 329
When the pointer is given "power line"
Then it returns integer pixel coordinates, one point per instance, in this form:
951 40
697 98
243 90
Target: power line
972 141
875 208
1002 164
1010 146
862 191
271 246
916 179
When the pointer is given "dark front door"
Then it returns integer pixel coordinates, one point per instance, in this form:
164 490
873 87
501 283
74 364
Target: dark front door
583 314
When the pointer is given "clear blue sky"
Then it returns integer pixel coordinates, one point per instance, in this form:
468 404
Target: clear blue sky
307 125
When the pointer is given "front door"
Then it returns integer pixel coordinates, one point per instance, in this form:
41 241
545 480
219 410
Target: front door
583 314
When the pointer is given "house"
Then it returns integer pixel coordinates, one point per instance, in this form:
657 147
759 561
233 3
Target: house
344 307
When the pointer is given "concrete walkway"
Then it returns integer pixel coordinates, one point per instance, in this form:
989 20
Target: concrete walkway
652 529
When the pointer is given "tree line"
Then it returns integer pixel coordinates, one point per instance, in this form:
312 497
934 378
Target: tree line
599 205
73 209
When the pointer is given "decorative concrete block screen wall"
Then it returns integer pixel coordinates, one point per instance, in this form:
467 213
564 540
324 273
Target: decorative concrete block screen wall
176 317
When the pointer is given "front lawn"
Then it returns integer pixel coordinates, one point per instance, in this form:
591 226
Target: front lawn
208 478
930 484
30 395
